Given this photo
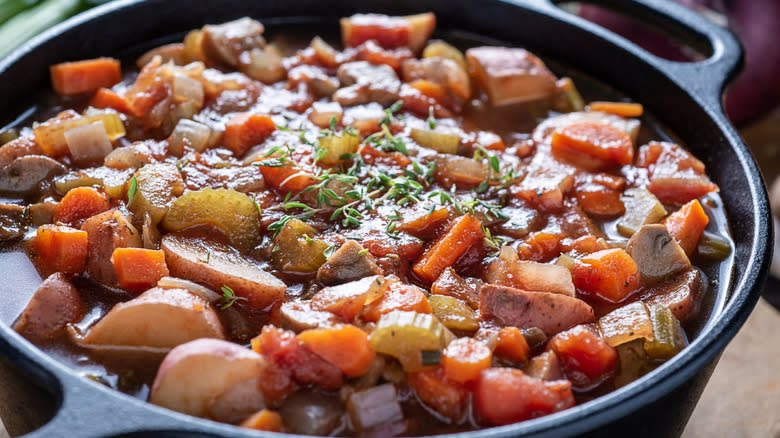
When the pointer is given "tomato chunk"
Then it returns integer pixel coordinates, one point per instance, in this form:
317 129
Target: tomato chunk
585 357
676 176
507 395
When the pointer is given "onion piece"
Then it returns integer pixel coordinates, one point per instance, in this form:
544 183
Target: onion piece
437 140
186 88
50 135
188 133
265 65
179 283
374 407
88 143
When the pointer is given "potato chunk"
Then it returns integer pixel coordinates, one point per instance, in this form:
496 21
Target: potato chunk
55 304
510 75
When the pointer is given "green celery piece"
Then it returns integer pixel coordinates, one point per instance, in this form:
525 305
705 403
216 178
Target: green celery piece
667 333
33 21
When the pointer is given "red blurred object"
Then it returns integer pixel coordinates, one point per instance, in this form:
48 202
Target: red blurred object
757 89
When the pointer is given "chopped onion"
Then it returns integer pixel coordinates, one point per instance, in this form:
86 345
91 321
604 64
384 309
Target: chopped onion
323 112
626 323
461 170
265 65
50 135
187 89
188 133
374 407
437 140
337 146
88 143
178 283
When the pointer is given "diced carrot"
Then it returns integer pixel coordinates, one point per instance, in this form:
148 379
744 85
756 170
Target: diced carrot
70 78
585 356
464 232
244 130
592 145
345 346
266 420
138 269
422 225
610 274
450 399
622 109
288 178
585 245
399 296
511 345
61 249
374 156
108 98
79 204
465 358
687 225
540 247
430 89
507 395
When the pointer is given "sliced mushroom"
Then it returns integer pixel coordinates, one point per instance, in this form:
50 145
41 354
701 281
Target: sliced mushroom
225 43
364 82
12 221
349 263
656 253
299 316
25 173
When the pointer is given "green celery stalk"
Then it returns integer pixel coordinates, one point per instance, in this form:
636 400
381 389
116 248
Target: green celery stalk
33 21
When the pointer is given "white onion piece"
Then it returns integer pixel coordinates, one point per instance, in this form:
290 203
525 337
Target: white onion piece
188 133
88 143
323 112
264 65
179 283
374 407
185 88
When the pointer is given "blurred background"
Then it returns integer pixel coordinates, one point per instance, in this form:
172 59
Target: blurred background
743 396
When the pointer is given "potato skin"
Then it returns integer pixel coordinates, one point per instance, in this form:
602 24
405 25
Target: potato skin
55 304
213 265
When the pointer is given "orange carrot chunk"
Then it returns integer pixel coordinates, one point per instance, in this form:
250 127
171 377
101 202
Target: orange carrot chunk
264 420
70 78
465 358
464 232
687 225
622 109
108 98
450 399
511 345
61 249
399 296
610 274
245 130
138 269
592 145
288 178
345 346
79 204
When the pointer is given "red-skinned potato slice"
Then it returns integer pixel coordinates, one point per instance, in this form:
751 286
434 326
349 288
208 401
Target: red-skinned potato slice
195 373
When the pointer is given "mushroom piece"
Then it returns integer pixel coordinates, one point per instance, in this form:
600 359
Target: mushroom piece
12 221
349 263
656 253
226 43
26 173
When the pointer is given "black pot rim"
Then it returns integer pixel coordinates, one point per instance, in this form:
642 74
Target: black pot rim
745 291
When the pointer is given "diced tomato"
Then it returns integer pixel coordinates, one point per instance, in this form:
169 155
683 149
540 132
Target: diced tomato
585 356
540 247
610 274
290 354
148 89
676 176
399 296
448 398
592 145
464 232
61 249
687 224
389 32
507 395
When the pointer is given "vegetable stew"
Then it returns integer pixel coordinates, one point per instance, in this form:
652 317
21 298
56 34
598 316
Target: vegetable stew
386 235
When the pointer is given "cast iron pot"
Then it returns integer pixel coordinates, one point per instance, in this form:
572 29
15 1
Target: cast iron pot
686 97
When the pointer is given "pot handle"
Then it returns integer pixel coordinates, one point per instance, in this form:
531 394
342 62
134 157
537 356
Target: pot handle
705 79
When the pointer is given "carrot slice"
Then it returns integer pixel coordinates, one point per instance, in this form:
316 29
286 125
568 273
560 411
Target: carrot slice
610 274
399 296
79 204
245 130
138 269
465 358
345 346
511 345
622 109
687 224
108 98
422 225
70 78
264 420
464 232
61 249
592 145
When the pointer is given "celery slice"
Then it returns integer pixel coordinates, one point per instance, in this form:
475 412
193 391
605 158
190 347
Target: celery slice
668 335
406 335
437 140
337 146
455 314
